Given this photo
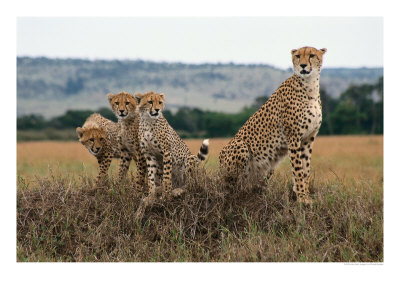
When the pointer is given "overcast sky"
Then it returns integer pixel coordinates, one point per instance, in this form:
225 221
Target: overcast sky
351 41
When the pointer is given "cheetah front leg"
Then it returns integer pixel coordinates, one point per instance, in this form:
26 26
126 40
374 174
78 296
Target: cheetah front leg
295 151
151 165
104 165
167 173
159 175
140 173
306 151
124 163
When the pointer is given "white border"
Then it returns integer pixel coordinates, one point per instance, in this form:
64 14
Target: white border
49 281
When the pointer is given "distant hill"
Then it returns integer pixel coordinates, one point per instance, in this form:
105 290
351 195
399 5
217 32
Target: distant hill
52 86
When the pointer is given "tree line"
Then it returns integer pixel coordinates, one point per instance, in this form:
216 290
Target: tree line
358 110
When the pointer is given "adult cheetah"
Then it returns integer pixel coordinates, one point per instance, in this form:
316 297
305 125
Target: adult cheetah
287 123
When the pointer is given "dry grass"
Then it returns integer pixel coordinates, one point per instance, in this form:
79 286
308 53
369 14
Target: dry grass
61 218
349 157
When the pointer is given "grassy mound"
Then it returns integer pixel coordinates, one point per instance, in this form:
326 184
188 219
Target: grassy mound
61 219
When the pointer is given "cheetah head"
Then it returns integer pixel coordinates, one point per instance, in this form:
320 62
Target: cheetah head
151 102
93 138
123 104
307 61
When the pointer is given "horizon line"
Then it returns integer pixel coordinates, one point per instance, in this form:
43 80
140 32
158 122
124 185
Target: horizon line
187 63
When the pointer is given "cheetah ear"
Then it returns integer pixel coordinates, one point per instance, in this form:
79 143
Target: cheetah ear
79 131
162 95
323 50
110 97
138 97
293 51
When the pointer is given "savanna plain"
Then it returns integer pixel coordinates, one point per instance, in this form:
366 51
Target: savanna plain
62 217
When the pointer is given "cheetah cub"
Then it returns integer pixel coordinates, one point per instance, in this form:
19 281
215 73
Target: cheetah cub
100 136
165 152
124 106
287 123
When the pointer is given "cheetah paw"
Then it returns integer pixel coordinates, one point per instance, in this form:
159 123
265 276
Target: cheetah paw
177 192
150 199
166 196
304 199
159 190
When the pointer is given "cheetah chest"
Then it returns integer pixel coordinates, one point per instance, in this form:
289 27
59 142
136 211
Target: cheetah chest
150 143
128 140
313 117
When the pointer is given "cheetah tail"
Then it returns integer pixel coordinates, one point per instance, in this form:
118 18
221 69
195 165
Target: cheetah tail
203 152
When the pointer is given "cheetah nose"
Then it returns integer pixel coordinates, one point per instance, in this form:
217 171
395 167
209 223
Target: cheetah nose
121 111
303 65
157 109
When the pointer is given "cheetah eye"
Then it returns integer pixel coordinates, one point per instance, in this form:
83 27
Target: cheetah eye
92 139
312 55
298 56
160 102
127 103
150 102
116 103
